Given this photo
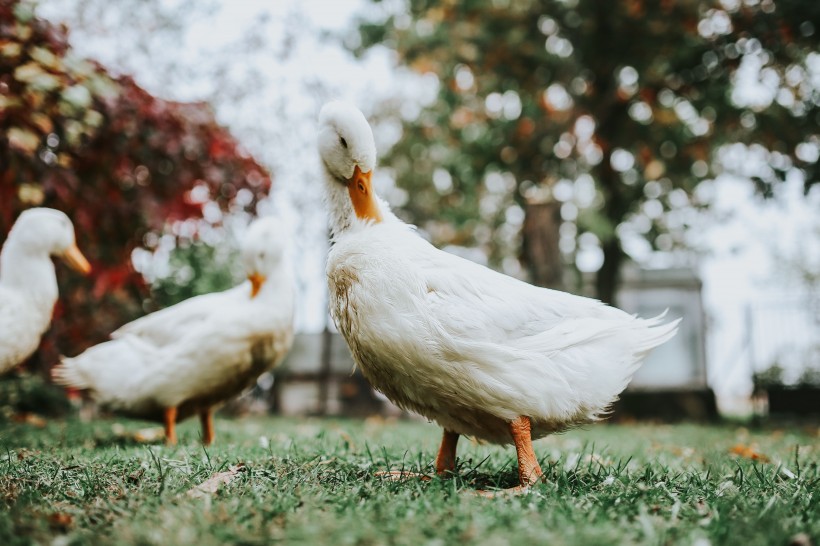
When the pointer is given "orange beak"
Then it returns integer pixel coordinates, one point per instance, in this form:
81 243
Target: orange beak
361 195
257 280
76 261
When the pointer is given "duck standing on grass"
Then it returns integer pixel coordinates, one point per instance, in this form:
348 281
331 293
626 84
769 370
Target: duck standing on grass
480 353
190 357
28 282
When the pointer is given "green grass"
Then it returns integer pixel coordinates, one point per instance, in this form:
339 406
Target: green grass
311 481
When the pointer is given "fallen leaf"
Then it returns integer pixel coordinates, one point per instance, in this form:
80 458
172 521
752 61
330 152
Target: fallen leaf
134 477
60 520
24 454
212 484
143 435
748 452
149 435
30 419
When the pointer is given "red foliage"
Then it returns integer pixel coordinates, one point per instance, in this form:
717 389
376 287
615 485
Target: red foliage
117 160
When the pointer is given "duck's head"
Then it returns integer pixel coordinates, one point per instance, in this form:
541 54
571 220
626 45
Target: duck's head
348 152
48 232
263 250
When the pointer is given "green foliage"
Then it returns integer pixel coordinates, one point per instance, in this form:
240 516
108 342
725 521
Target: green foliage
811 376
312 482
770 377
197 268
618 109
22 393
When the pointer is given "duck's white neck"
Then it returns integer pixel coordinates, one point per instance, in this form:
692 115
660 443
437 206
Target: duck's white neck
342 215
279 290
30 272
339 208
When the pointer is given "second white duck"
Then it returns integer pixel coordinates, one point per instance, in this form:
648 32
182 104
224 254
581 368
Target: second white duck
189 358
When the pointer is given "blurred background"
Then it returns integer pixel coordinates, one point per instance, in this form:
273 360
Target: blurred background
650 154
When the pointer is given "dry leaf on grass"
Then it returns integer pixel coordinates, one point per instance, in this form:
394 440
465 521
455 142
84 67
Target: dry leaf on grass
24 454
212 484
748 452
143 436
149 435
29 419
60 520
135 476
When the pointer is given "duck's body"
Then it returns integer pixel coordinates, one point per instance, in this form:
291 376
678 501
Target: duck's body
192 356
480 353
28 281
473 349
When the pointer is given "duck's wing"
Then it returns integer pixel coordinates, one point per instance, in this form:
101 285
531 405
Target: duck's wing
114 371
168 325
558 354
474 301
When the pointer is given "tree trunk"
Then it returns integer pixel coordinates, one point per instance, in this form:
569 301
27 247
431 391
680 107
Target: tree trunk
616 205
541 253
608 277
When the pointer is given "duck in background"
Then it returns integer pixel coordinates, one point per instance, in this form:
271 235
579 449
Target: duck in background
189 358
28 282
482 354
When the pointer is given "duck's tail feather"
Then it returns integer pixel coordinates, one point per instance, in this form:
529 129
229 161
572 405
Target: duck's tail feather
68 374
656 332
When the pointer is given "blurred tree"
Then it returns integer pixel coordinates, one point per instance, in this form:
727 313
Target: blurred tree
121 163
266 81
611 112
197 267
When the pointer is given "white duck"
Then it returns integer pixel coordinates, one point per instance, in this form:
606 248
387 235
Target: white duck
190 357
480 353
28 282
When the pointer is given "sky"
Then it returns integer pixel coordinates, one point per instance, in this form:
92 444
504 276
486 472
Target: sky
270 100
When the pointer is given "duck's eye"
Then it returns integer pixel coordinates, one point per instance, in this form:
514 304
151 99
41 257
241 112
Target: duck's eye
261 255
343 142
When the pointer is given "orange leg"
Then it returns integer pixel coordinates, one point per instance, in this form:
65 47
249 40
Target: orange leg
446 459
206 418
170 426
528 469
